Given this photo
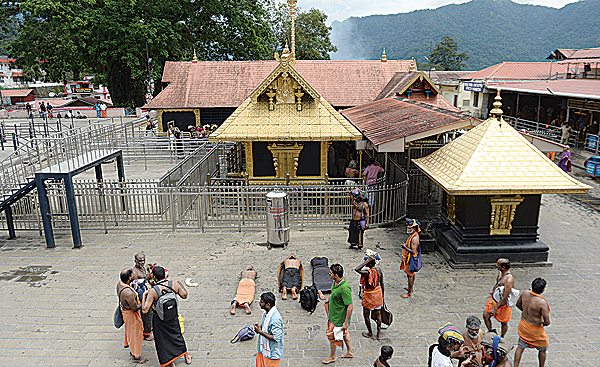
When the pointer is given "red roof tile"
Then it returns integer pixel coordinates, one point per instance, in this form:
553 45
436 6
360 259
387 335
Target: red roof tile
17 92
389 119
228 83
575 88
508 70
584 53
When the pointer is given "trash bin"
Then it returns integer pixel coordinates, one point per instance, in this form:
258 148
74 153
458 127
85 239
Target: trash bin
592 166
278 229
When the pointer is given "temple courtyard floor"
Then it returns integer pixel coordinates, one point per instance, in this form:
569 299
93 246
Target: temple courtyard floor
57 304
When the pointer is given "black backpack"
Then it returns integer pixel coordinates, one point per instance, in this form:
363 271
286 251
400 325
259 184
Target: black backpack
309 297
166 305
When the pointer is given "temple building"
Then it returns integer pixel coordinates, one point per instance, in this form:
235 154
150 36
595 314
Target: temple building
286 127
493 180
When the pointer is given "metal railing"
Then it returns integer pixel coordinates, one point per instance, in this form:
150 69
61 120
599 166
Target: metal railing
67 148
542 130
592 143
143 204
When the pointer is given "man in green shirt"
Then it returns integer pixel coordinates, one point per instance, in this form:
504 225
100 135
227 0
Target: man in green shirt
339 310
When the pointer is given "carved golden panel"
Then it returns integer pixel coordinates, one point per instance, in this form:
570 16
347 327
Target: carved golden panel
503 213
451 206
285 158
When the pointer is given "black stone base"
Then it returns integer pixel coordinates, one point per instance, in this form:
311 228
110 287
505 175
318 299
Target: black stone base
488 251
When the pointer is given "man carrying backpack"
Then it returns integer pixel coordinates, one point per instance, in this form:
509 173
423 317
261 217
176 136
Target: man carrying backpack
130 305
168 338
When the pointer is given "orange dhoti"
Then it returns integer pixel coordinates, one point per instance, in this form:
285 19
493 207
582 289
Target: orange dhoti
533 335
134 329
245 291
503 314
262 361
372 294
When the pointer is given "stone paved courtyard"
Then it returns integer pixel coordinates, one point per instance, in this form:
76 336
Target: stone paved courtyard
63 317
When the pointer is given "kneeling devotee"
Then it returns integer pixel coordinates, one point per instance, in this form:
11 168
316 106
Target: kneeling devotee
245 292
290 275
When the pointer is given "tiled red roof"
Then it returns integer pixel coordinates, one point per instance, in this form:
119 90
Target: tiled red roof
389 119
509 70
575 88
584 53
228 83
16 92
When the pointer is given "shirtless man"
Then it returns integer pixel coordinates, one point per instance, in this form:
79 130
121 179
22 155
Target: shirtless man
360 211
130 305
535 315
245 291
292 279
500 310
141 284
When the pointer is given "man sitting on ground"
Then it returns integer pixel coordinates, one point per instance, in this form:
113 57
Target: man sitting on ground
245 291
292 278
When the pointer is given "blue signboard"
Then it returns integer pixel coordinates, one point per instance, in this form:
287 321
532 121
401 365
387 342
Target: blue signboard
592 140
590 168
474 87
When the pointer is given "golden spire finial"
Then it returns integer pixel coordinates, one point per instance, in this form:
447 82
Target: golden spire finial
496 112
383 56
195 59
413 66
292 4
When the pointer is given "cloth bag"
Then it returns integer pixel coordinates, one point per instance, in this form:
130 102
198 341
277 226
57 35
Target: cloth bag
386 316
415 263
513 297
118 318
246 333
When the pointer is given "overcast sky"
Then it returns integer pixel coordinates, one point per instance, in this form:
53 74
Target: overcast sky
343 9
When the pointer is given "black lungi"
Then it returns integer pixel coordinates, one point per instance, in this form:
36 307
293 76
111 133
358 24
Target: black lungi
168 340
291 278
355 234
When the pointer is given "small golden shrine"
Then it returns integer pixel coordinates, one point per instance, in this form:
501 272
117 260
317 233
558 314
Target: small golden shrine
286 127
493 179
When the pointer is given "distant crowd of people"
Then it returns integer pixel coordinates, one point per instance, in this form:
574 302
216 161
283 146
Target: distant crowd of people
46 110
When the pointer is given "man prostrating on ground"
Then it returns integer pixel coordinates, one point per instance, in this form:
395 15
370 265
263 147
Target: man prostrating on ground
339 311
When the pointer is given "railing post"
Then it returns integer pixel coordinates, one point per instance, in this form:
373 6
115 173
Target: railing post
239 201
173 211
302 206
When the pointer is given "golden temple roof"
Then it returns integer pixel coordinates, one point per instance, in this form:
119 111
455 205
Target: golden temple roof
494 159
285 107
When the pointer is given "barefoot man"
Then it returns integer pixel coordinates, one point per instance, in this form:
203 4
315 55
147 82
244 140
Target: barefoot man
141 284
292 279
360 219
535 315
371 281
413 227
500 310
339 311
245 291
130 305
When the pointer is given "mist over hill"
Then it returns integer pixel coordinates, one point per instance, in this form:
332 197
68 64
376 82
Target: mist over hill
489 31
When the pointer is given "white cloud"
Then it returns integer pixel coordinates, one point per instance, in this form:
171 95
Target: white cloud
343 9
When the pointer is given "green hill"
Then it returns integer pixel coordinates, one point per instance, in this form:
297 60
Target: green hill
489 31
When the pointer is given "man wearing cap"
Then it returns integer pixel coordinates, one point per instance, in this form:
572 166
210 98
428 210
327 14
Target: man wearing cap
449 341
473 337
411 248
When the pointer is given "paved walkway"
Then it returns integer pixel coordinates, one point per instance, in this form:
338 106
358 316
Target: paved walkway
63 315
